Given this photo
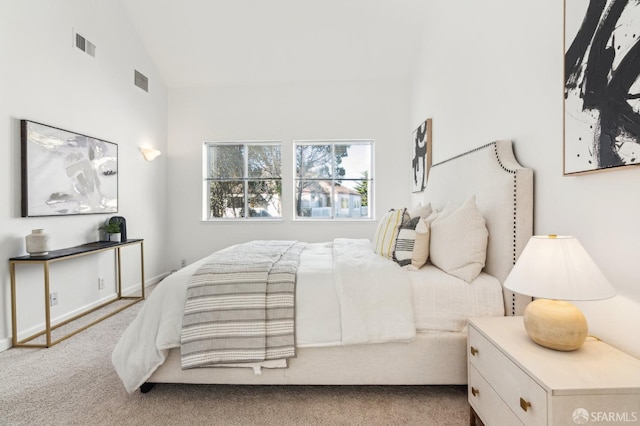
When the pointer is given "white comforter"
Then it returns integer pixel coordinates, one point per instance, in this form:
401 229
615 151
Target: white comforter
346 294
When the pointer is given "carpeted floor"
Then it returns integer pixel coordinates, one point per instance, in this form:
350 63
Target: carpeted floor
73 383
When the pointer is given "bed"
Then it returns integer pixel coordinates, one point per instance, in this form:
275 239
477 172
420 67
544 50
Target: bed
421 350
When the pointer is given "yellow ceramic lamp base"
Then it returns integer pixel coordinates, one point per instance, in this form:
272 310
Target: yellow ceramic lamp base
555 324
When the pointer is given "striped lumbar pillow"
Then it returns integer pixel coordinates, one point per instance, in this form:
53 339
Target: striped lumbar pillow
405 242
384 240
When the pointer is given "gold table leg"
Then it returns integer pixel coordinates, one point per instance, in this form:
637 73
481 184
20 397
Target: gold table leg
14 325
47 305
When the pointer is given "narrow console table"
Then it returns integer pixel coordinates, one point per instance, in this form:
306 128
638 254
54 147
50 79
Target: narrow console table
65 254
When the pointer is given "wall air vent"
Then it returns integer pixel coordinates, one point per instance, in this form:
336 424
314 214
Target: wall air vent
85 45
141 80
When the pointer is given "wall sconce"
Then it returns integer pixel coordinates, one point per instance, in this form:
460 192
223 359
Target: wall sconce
150 154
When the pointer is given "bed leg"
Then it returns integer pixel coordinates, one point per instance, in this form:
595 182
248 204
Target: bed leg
146 387
474 420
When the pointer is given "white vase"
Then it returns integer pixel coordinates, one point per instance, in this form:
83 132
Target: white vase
114 237
37 242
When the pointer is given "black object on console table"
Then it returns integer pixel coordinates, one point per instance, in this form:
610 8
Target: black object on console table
123 225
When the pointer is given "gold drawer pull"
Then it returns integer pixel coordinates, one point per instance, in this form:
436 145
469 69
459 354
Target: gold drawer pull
474 391
474 351
524 404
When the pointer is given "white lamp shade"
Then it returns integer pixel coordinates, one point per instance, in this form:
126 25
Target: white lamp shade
558 267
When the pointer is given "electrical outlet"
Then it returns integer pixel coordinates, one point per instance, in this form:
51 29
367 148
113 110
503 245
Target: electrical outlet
100 283
183 263
53 298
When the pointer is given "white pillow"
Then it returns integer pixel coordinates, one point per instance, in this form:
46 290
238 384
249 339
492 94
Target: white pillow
421 211
421 244
459 238
384 239
420 252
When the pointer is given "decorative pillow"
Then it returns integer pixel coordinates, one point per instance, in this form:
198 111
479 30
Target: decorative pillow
459 238
384 240
420 210
405 242
421 245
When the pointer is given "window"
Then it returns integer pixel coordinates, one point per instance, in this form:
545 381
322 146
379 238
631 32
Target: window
242 180
334 179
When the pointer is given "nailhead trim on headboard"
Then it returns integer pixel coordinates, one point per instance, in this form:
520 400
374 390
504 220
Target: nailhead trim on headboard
514 248
469 152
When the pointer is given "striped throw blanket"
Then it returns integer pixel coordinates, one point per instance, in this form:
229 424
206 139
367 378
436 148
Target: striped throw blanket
240 305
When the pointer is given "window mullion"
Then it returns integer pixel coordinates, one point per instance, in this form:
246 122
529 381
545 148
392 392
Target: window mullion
334 198
246 181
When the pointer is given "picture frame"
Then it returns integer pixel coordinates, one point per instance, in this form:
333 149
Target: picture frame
421 161
66 173
601 108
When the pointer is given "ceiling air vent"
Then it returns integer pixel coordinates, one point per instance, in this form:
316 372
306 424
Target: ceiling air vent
85 45
141 80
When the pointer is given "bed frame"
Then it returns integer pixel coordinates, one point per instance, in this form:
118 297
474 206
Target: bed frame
504 194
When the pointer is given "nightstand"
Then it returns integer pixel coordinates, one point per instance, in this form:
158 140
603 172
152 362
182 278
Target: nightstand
513 381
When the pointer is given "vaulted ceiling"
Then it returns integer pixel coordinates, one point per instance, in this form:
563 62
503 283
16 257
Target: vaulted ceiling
197 43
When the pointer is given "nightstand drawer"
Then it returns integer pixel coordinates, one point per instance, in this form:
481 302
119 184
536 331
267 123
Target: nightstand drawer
520 393
487 404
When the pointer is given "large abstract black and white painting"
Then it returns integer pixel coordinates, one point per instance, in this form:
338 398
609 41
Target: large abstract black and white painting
66 173
601 87
421 162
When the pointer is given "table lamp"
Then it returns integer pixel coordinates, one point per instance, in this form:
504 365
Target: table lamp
554 269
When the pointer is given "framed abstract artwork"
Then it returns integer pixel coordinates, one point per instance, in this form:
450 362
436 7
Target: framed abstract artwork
601 86
66 173
421 162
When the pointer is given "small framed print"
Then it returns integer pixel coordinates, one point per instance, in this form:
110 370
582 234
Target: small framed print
421 162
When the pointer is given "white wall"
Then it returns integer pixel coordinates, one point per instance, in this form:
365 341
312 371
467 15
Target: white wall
494 70
45 79
284 112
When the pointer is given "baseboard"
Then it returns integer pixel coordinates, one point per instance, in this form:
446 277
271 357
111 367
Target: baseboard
135 288
5 344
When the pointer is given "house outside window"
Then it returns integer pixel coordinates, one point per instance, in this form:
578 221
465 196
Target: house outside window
334 179
242 180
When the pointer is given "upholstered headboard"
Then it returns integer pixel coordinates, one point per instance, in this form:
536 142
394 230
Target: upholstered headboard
504 194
